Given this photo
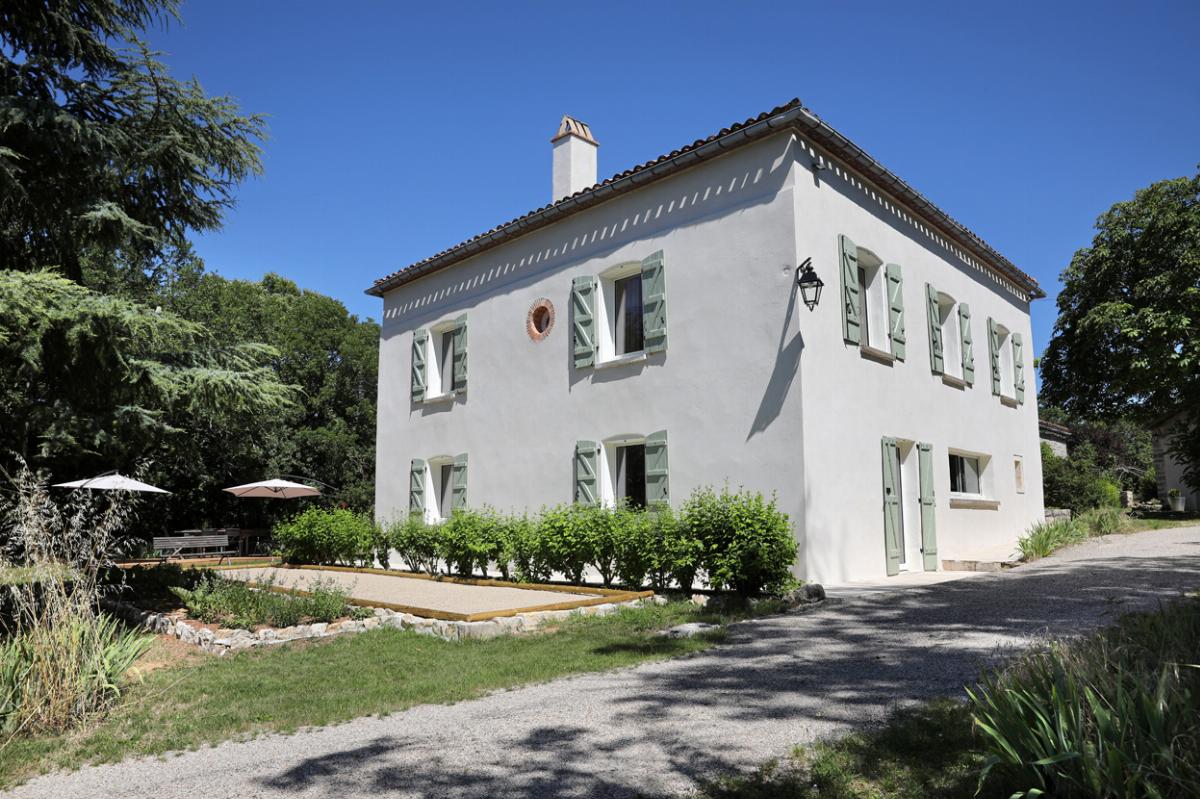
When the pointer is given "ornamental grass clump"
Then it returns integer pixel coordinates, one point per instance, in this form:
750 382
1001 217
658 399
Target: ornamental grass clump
1045 537
1114 714
61 660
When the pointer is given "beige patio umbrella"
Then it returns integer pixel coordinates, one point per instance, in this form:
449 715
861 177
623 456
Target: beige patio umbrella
113 481
274 489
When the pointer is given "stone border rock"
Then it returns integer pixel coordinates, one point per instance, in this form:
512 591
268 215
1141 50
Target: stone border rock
223 641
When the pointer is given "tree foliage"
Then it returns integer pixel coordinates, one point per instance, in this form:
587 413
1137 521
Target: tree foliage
100 148
1127 339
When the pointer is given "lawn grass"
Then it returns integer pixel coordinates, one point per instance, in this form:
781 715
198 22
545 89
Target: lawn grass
290 686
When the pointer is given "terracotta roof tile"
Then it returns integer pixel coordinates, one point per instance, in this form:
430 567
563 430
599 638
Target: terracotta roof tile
792 114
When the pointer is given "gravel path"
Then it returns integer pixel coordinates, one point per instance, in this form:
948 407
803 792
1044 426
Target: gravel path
655 728
416 593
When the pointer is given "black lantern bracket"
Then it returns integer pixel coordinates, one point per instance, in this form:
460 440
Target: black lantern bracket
810 284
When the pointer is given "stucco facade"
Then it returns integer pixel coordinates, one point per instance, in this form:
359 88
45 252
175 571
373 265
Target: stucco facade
1168 469
752 389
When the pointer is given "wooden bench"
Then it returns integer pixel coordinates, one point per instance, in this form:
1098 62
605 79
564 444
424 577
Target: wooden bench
184 546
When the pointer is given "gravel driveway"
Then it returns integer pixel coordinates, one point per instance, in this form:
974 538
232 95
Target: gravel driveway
653 729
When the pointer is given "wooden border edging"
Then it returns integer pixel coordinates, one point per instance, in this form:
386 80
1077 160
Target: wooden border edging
601 596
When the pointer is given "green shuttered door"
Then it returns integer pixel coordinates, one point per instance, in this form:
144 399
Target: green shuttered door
583 320
895 283
586 457
928 509
657 485
851 324
416 487
654 303
419 346
891 506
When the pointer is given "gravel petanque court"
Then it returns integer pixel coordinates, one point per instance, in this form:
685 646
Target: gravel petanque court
415 593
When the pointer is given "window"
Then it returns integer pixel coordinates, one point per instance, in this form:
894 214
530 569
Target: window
1003 340
437 486
873 302
439 360
630 482
627 327
964 474
1019 473
619 316
951 337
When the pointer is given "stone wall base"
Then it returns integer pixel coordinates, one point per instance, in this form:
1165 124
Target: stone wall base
223 641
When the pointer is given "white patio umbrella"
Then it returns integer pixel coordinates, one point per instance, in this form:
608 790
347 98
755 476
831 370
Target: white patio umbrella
113 481
274 489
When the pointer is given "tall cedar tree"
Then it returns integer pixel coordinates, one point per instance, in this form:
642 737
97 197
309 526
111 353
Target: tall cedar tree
100 149
1127 339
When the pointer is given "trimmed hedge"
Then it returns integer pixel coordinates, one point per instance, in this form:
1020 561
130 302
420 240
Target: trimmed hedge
728 540
328 536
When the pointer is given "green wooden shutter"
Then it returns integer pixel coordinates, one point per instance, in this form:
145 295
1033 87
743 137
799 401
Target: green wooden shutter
460 354
583 313
458 482
968 347
895 282
657 486
586 456
928 508
654 304
1018 352
851 324
891 507
994 352
419 348
416 487
936 348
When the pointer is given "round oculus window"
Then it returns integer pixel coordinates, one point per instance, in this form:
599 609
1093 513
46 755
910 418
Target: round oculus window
540 320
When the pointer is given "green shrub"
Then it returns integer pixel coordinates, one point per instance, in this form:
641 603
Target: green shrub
1110 493
675 555
1077 482
464 542
326 536
635 546
527 550
1114 714
748 542
415 542
565 535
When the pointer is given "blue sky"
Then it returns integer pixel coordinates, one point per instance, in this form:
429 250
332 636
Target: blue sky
398 129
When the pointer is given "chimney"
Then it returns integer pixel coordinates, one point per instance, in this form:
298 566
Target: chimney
574 158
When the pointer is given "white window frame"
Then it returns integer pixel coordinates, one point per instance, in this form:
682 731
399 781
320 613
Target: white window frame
1004 353
952 344
1019 473
985 475
606 316
433 486
608 465
875 308
433 362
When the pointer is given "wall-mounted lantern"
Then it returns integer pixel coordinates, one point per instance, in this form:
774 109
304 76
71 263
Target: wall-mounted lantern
810 285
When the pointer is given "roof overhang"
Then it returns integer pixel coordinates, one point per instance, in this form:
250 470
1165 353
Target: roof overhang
793 116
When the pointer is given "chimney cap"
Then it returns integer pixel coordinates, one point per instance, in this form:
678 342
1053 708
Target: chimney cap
570 126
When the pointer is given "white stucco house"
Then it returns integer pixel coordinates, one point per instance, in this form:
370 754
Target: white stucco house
1169 469
645 335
